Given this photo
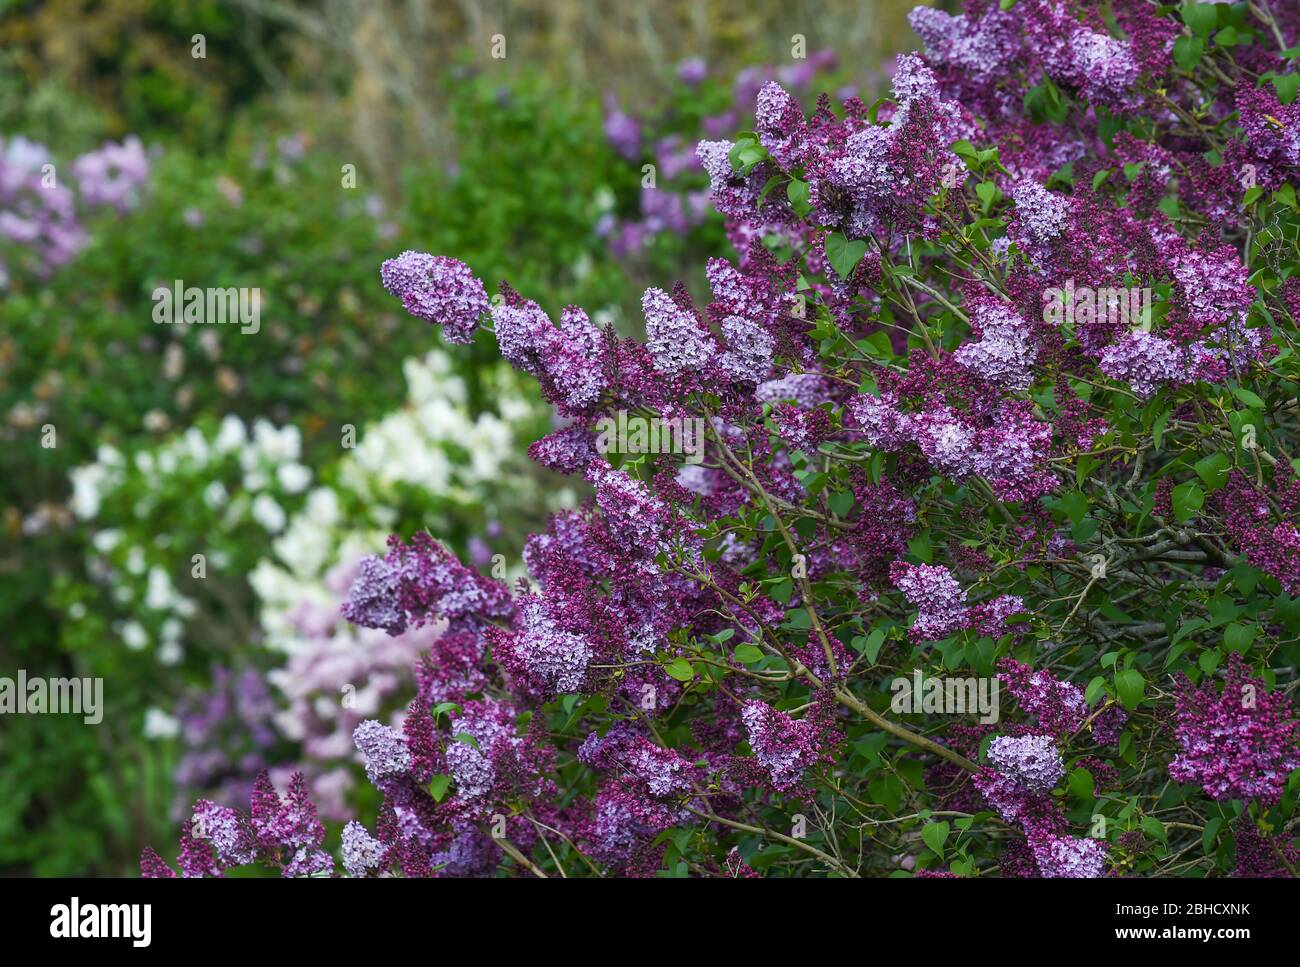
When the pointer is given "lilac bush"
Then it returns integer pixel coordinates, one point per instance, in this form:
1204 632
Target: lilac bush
42 208
999 393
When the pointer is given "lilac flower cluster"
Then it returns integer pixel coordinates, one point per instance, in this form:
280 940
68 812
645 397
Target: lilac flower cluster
877 376
1240 742
941 603
283 833
438 290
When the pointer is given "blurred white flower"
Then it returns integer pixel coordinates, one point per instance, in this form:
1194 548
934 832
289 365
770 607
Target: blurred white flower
135 562
88 484
293 477
159 725
106 540
215 495
268 513
134 636
231 436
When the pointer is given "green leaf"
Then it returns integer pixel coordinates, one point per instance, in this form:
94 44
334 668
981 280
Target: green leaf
841 503
1239 637
1201 17
874 641
921 547
748 654
1286 85
1158 429
988 193
1246 396
1213 470
1188 51
844 255
1211 833
438 786
466 739
1095 688
1130 686
1188 499
1227 37
797 192
1154 828
442 708
745 154
681 669
935 836
1082 785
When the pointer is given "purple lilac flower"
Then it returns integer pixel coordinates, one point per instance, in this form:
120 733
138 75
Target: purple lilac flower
1238 743
784 747
385 751
1005 351
565 451
361 851
113 174
692 70
677 341
1032 760
1059 707
438 289
1068 856
622 130
939 599
549 654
